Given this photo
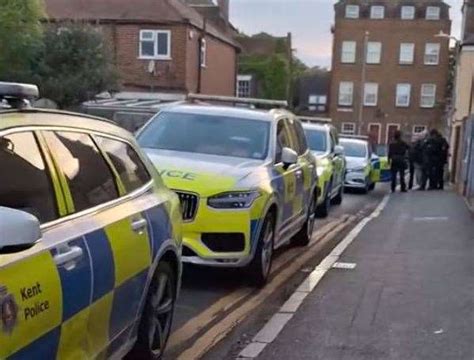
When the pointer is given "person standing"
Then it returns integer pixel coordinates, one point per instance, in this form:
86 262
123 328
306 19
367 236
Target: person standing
432 154
442 153
415 158
397 154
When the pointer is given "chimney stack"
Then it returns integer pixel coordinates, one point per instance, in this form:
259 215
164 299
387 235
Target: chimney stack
224 8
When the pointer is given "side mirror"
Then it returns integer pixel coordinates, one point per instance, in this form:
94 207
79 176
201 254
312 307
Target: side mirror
289 157
339 150
18 229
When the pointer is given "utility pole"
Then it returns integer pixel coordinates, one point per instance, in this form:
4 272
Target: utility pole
362 83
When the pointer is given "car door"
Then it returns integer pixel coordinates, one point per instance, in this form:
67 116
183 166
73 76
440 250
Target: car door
115 235
286 177
305 174
338 164
31 284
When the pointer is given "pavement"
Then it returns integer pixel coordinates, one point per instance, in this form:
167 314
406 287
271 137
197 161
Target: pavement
410 295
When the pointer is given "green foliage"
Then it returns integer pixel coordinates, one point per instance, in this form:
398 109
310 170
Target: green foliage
20 35
272 74
73 65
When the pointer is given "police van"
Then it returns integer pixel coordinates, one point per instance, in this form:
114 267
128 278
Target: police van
246 179
90 238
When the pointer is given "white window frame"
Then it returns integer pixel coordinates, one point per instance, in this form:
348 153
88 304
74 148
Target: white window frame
408 12
350 132
155 33
377 56
423 127
348 52
379 135
433 13
431 96
203 53
377 12
248 80
397 95
350 85
367 86
407 60
352 11
429 53
388 127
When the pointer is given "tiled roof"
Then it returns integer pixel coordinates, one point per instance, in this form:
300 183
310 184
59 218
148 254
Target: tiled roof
149 11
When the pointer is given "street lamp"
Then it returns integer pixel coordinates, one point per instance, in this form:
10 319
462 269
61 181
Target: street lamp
362 85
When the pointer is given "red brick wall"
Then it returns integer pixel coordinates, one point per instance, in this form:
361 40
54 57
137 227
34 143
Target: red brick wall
390 32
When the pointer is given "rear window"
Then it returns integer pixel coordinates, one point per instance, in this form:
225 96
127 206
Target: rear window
90 179
317 140
126 161
206 134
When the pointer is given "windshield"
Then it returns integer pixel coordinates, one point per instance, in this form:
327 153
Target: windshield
354 148
206 134
317 140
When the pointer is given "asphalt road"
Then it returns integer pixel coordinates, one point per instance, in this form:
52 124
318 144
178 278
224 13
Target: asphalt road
206 289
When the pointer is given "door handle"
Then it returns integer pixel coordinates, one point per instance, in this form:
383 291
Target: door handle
139 226
68 256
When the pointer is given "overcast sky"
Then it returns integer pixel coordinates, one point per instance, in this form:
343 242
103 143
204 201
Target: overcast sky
308 20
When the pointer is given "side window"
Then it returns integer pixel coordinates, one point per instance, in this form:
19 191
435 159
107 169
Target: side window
301 137
90 179
295 144
283 139
25 183
333 141
126 161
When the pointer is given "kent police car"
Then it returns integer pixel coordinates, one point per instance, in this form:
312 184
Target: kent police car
246 179
323 141
90 238
363 169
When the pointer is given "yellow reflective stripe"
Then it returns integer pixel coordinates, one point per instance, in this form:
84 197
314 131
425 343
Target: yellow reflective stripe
121 239
98 326
35 287
73 333
60 201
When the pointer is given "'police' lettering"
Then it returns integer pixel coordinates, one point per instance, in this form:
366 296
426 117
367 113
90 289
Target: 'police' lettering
37 309
178 174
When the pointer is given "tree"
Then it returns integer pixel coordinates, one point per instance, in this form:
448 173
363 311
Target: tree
20 36
73 65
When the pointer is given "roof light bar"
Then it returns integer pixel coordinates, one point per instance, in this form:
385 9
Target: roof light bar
355 137
237 100
18 95
314 119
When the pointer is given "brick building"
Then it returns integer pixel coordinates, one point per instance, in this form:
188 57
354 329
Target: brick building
158 45
389 70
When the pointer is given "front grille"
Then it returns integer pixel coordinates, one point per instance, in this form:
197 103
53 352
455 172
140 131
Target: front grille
224 242
189 205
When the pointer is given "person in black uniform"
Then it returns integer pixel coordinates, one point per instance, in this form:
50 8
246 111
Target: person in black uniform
442 153
430 160
397 154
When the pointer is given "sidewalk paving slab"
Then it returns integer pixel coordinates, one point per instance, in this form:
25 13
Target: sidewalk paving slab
410 297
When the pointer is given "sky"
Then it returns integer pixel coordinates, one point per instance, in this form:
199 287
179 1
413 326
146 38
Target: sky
308 20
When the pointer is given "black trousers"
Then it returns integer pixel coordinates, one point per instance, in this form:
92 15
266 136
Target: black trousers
398 170
412 175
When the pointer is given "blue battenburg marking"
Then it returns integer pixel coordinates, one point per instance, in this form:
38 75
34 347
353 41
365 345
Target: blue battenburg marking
45 347
159 227
287 210
126 303
255 226
75 282
102 263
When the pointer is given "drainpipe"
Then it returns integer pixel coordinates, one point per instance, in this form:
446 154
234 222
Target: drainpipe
200 42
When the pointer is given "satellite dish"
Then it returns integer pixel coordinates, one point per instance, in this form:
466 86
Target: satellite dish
151 66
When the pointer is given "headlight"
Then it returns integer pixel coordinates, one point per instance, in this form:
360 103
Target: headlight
233 200
357 169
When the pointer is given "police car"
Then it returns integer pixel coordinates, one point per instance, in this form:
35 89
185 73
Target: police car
246 178
323 141
363 168
90 238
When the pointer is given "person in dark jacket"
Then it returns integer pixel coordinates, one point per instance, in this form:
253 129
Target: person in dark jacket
441 160
430 160
415 158
397 155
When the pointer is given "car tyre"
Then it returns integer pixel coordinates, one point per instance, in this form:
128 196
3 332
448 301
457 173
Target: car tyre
338 199
322 210
261 265
303 237
155 324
